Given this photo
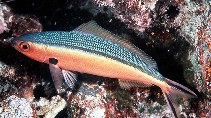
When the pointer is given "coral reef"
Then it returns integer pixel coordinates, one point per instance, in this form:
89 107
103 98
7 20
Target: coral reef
6 70
16 107
6 86
194 21
49 109
134 13
26 24
5 18
176 33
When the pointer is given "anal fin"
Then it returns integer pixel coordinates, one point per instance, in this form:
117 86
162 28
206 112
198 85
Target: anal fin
126 84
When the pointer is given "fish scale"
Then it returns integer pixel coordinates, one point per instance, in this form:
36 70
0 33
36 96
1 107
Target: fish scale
90 43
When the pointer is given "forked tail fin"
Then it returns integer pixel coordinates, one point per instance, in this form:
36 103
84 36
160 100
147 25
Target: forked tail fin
174 93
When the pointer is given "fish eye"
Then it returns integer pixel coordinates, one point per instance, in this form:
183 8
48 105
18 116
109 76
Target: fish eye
24 46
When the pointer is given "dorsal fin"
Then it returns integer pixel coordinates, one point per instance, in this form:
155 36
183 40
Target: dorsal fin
126 84
93 28
148 60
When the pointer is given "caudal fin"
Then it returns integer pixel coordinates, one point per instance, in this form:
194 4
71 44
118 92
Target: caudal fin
174 93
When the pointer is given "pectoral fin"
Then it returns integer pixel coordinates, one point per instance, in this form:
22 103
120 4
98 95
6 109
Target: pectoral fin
70 78
62 79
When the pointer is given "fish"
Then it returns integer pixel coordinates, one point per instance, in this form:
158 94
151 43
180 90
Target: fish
94 50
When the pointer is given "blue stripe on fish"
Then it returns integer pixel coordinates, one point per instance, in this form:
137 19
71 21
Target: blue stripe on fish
91 44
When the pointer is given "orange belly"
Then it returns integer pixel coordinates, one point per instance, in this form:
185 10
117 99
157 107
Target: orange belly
97 65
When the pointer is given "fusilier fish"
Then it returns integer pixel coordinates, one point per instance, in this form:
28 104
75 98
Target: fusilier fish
94 50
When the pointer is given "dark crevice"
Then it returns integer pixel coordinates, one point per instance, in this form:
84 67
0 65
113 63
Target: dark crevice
172 11
39 91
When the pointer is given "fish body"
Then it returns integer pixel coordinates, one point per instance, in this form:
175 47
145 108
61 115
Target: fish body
87 53
93 50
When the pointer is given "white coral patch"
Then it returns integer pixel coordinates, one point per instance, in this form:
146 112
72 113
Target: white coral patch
16 108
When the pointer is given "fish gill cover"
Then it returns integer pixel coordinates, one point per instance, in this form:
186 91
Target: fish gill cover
175 33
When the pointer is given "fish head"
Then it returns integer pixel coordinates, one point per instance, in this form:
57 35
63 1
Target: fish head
30 46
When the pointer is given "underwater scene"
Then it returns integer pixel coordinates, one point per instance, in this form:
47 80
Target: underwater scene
105 59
